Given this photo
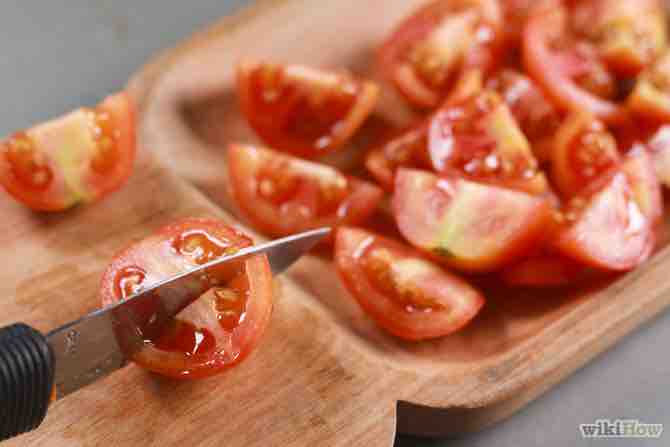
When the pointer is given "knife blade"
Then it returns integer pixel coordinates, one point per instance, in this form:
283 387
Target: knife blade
103 341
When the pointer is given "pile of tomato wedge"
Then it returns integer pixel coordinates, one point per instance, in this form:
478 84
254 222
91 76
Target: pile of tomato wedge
540 142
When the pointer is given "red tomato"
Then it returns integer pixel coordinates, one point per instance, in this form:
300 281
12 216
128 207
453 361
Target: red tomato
302 110
629 34
429 50
468 225
479 138
537 117
650 98
659 148
543 270
282 195
403 292
78 158
568 70
219 329
639 167
605 226
582 152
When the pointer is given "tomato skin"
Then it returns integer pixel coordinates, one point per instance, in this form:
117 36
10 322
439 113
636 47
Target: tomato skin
605 227
402 268
70 158
408 56
543 270
158 257
582 152
311 188
543 65
301 110
470 226
650 98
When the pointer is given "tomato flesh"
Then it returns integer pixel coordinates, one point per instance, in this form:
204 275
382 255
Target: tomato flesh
302 110
479 138
471 226
583 151
404 293
218 329
282 195
78 158
428 52
659 148
650 98
638 165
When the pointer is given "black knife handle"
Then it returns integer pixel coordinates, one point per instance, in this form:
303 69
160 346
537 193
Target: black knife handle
27 368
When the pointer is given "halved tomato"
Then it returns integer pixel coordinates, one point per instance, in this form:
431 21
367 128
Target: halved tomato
468 225
536 115
78 158
302 110
430 50
650 98
659 148
219 329
543 270
629 34
283 195
567 69
605 226
582 152
404 293
479 138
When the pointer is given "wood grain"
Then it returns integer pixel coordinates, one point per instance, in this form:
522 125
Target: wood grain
324 373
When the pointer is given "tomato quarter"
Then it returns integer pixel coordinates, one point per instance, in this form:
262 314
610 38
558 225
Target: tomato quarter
404 293
650 98
78 158
218 329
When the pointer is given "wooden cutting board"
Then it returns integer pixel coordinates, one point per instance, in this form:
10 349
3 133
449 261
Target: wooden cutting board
324 374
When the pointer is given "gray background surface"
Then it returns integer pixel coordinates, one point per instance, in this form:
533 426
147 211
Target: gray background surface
58 54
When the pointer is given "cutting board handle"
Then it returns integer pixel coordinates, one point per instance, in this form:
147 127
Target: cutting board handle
27 368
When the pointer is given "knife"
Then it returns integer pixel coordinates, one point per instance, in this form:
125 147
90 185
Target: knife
36 369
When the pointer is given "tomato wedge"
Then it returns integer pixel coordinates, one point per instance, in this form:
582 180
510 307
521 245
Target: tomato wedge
569 71
429 51
282 195
479 138
78 158
219 329
629 34
639 167
404 293
543 270
605 226
535 114
302 110
659 148
650 98
582 152
470 226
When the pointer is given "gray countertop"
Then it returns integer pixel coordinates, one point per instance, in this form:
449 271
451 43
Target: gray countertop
58 54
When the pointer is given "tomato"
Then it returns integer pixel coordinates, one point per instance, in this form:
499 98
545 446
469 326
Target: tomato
543 270
282 195
303 110
605 226
582 152
536 115
221 327
471 226
639 167
659 148
568 70
479 138
408 148
650 98
404 293
629 34
78 158
429 50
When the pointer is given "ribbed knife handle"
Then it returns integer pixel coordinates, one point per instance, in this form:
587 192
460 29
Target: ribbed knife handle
27 369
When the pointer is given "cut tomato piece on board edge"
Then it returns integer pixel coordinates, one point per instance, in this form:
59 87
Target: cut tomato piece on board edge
471 226
403 292
302 110
221 327
544 270
281 195
78 158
